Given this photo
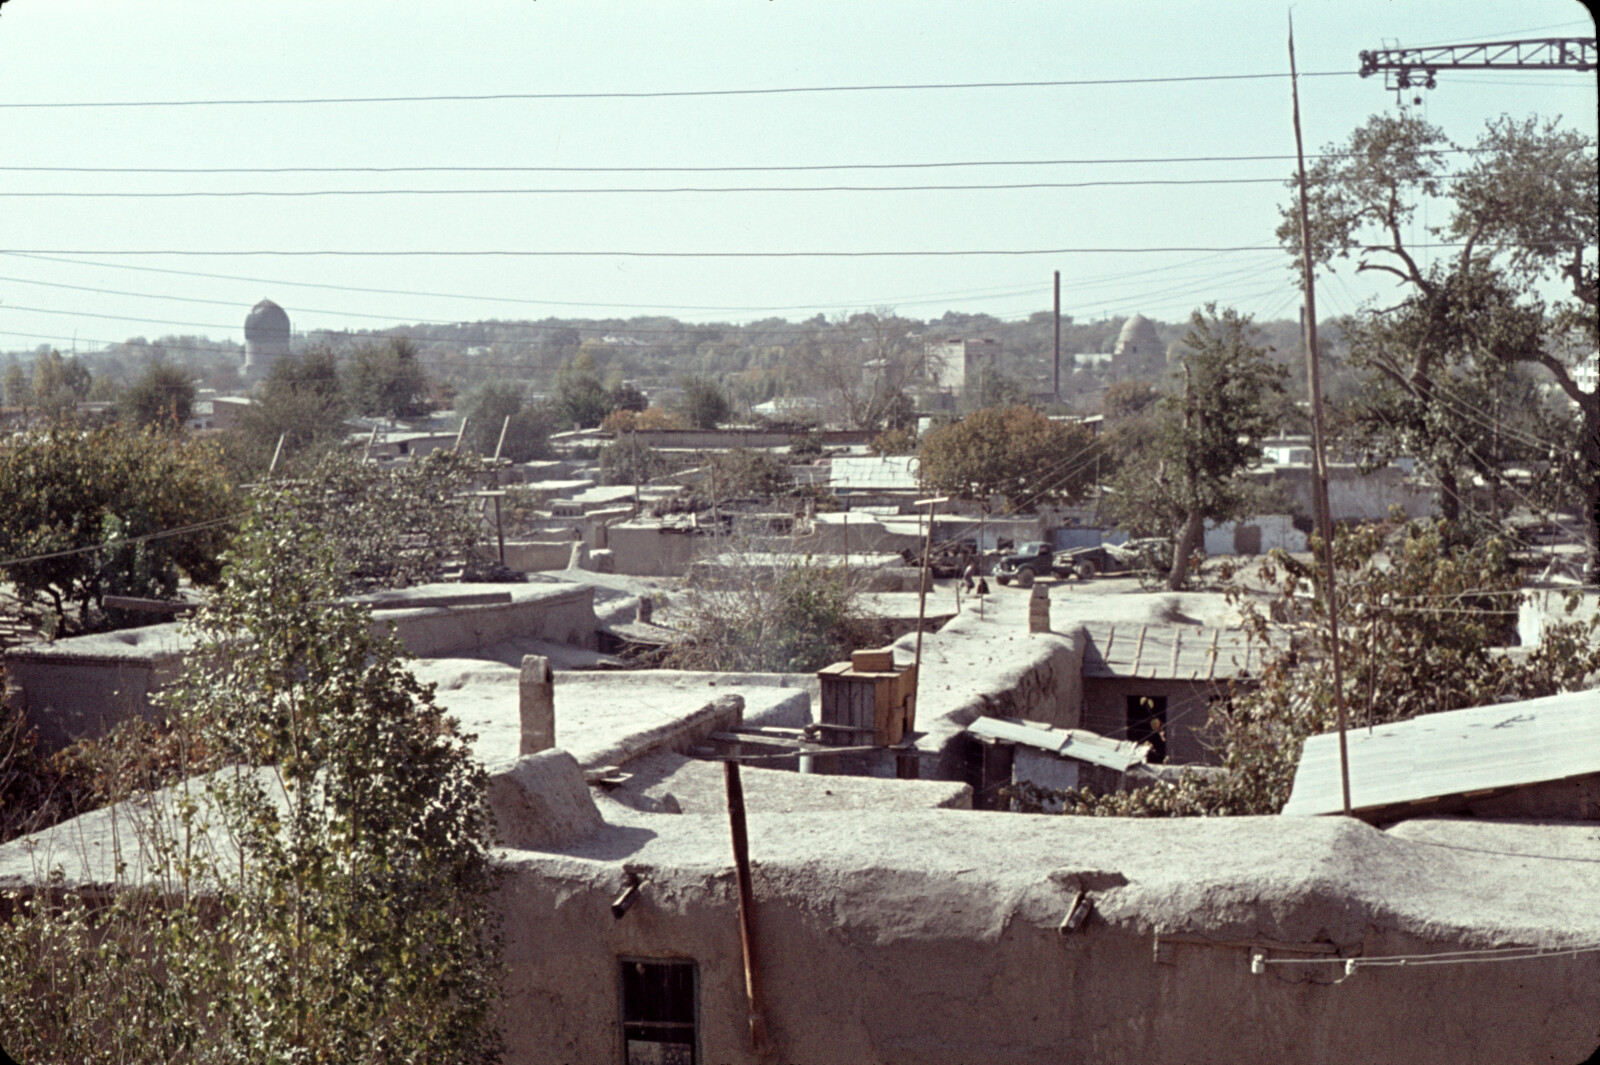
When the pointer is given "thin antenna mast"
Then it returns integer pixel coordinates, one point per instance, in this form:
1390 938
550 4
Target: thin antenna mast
1318 441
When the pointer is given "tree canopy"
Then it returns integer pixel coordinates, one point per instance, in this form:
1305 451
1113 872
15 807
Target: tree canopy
303 402
1011 451
163 396
527 436
1190 472
320 892
1522 213
1420 619
116 510
703 406
386 381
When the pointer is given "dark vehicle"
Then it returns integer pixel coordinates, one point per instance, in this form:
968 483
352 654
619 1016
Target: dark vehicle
1038 559
1032 560
947 559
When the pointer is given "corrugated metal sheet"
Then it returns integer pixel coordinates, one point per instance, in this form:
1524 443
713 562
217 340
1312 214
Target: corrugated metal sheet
891 472
1074 743
1166 652
1452 753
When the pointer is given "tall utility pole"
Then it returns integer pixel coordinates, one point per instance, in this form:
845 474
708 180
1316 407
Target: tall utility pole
1318 441
1058 336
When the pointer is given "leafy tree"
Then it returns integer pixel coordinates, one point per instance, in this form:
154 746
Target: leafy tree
1013 451
1204 439
864 366
744 471
1419 617
704 406
351 919
892 442
18 392
386 381
391 526
623 396
163 396
580 398
803 447
623 420
527 436
1523 211
628 461
94 513
994 388
792 615
58 384
303 402
1438 364
1128 399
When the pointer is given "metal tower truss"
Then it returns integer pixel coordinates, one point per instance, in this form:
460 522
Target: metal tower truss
1414 68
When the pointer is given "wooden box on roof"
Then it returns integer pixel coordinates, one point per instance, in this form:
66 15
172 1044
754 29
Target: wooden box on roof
868 700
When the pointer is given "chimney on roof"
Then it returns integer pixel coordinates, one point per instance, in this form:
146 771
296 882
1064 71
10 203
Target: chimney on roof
536 698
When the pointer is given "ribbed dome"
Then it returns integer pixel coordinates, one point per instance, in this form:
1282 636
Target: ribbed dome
1138 337
267 323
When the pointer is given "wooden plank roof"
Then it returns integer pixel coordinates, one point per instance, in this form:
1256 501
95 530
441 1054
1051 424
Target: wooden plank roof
1168 652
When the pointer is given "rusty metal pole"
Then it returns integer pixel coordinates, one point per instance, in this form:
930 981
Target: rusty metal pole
747 902
1318 441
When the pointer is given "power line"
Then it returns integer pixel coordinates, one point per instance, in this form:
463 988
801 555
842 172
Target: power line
120 541
1107 279
658 190
634 254
1011 290
1209 281
661 94
729 169
798 330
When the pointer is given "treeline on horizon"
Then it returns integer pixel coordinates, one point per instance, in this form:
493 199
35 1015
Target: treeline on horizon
656 351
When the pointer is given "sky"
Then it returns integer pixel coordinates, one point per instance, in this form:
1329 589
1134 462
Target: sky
91 270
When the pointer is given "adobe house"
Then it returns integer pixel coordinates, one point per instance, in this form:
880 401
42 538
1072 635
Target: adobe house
1155 683
81 686
889 924
892 924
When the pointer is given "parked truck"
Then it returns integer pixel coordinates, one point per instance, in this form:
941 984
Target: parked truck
1037 559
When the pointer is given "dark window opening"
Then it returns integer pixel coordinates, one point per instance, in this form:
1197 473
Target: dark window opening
1147 723
658 1012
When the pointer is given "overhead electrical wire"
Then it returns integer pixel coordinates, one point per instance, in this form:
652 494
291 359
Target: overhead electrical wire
590 191
724 169
1067 284
659 94
1184 288
636 254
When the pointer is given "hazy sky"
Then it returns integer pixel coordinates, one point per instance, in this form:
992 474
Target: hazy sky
64 51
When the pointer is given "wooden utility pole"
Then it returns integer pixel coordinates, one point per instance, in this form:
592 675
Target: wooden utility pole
922 597
273 468
1058 335
634 437
1318 442
500 444
747 906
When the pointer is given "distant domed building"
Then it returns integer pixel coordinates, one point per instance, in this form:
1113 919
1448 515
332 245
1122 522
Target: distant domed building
1138 338
266 337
